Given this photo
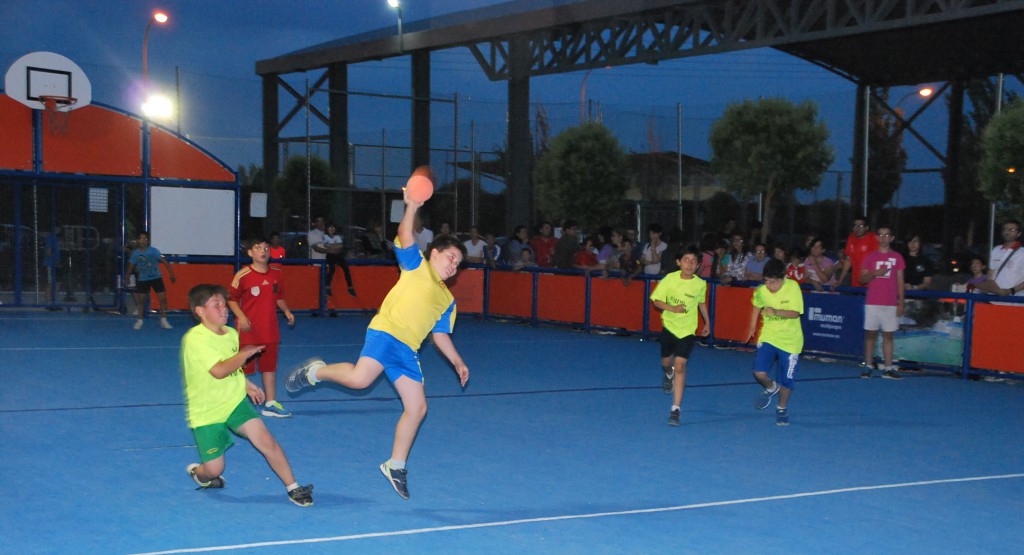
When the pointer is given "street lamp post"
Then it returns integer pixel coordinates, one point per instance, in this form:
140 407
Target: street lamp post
161 18
397 5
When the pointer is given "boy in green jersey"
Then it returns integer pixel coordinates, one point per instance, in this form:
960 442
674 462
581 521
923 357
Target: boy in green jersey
215 396
676 296
779 302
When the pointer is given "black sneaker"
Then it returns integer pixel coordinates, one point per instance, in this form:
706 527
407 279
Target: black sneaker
302 495
666 384
891 374
866 370
397 478
673 417
215 483
781 417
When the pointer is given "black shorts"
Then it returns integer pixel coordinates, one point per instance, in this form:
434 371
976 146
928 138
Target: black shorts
672 345
143 287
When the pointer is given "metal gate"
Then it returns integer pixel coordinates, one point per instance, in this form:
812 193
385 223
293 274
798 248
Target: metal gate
62 244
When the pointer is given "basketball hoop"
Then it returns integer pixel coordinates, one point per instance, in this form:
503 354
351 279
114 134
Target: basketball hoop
58 109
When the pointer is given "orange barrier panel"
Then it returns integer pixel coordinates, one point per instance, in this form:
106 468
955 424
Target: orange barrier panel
302 287
732 313
561 298
171 157
371 283
468 288
994 337
616 305
188 276
15 135
98 141
511 294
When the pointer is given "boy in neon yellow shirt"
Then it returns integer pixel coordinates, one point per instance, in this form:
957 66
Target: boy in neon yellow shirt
215 395
676 296
779 302
418 305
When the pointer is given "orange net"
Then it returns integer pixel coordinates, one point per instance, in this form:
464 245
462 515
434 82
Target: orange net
57 110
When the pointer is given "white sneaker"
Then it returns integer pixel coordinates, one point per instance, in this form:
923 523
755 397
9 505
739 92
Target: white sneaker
138 325
165 324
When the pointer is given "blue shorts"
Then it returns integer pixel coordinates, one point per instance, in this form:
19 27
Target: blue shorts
767 355
397 358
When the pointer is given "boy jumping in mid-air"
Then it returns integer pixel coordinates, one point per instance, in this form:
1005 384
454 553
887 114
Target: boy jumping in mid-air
215 396
780 302
257 291
676 296
418 304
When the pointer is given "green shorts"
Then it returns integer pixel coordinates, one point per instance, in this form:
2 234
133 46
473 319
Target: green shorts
213 439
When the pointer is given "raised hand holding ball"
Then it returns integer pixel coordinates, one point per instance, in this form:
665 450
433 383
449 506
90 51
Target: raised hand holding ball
420 188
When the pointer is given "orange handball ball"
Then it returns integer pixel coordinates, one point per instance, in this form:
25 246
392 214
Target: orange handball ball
419 187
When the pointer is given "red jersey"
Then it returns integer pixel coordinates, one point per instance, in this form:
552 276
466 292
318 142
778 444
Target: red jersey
584 258
257 294
856 249
544 250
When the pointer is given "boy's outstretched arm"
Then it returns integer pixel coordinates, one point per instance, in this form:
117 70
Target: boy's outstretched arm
405 227
228 366
444 343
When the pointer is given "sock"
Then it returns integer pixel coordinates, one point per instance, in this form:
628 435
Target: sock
293 487
675 407
311 376
396 465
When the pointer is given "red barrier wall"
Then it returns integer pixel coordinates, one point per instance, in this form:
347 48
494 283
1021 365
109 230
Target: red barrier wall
995 336
561 298
732 313
371 283
468 288
188 276
511 294
616 305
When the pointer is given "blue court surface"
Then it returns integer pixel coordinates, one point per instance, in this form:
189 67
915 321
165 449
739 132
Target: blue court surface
559 444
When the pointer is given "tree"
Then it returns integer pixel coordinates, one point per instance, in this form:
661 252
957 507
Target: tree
1001 171
887 159
291 186
982 94
769 146
583 176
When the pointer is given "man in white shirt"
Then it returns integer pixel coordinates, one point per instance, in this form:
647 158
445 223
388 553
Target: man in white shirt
315 239
1006 264
423 236
474 247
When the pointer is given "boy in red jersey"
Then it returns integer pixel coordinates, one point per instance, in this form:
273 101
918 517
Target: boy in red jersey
257 291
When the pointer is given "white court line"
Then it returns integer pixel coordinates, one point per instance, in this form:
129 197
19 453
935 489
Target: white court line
582 516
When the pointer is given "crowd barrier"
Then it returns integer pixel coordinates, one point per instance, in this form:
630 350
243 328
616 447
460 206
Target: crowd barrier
963 332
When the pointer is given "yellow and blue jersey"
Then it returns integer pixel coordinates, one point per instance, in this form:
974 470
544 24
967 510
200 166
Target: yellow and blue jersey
420 303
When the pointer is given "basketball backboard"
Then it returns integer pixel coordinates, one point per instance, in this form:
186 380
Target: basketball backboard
41 74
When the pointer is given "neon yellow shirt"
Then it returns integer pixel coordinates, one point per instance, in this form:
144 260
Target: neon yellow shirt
209 400
420 303
784 333
674 290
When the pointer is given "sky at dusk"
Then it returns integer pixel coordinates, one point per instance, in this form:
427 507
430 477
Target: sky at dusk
213 46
